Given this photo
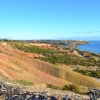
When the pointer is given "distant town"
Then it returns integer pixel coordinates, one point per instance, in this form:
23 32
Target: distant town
65 43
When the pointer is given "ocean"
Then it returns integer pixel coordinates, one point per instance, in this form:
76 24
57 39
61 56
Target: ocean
93 46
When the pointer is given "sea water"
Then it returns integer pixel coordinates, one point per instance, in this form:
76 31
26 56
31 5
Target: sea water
93 46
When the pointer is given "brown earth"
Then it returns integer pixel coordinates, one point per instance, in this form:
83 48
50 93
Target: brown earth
42 45
16 64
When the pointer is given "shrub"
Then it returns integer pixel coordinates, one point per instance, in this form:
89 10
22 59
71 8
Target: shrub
24 82
53 87
71 87
95 73
1 51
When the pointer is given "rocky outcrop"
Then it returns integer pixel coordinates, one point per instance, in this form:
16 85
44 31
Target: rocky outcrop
14 91
31 55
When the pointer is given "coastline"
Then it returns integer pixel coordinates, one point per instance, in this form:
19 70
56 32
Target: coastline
92 47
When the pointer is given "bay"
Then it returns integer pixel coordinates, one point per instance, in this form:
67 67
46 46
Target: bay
93 46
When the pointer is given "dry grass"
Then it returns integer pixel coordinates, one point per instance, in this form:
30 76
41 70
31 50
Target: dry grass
32 70
40 44
66 74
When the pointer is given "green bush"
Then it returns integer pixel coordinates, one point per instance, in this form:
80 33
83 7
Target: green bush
95 73
64 58
24 82
84 72
71 87
55 56
1 51
32 49
53 87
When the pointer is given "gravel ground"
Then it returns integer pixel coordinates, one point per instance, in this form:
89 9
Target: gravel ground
17 92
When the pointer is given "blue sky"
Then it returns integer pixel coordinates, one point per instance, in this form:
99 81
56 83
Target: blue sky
50 19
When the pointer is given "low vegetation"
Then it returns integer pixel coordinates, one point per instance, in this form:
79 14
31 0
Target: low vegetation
24 82
31 49
1 51
70 60
66 74
53 87
95 73
55 57
58 57
70 87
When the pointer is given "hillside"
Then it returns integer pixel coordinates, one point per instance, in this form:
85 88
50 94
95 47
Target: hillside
14 67
16 64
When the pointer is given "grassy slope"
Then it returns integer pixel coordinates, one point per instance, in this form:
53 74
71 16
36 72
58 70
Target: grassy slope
13 67
66 74
56 71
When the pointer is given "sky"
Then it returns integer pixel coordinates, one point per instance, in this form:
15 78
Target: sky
50 19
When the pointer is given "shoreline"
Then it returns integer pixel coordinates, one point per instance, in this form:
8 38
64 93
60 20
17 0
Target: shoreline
88 47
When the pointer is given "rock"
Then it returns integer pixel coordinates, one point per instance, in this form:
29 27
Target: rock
18 92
